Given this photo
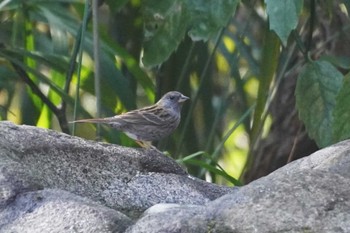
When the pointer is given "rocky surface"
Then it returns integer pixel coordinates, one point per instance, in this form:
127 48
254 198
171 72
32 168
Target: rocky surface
59 211
124 179
308 195
52 182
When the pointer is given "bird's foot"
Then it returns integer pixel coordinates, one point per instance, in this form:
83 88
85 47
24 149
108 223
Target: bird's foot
145 144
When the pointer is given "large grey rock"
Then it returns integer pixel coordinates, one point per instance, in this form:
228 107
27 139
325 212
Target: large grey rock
52 182
309 195
124 179
59 211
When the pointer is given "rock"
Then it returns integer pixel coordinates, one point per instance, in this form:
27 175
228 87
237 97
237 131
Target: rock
126 180
52 182
59 211
309 195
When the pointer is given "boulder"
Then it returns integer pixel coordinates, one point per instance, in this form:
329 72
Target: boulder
126 180
53 182
311 194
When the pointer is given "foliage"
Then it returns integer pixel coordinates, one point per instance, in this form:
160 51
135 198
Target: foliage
341 112
317 88
166 24
284 16
226 55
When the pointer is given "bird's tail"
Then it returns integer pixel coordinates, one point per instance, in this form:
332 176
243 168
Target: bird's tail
95 121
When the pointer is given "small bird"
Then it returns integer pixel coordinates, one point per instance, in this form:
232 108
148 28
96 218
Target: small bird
147 124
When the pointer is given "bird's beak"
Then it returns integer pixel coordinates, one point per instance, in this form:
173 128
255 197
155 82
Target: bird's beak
183 98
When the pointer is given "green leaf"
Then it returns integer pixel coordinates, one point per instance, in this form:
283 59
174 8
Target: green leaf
54 61
167 21
283 16
191 156
208 17
341 114
214 170
165 27
268 67
41 77
316 91
338 61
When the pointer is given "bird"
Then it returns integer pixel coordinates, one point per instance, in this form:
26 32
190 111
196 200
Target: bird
150 123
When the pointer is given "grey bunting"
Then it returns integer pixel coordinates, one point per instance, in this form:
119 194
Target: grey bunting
147 124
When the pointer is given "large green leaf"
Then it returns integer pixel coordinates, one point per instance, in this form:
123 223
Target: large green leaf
341 114
165 27
52 60
268 66
115 82
283 16
316 92
167 21
208 17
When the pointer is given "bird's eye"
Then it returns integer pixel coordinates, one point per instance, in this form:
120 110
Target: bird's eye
171 97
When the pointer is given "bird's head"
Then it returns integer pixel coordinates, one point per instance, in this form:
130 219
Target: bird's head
172 99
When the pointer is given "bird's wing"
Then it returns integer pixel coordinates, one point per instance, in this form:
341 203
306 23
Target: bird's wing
153 115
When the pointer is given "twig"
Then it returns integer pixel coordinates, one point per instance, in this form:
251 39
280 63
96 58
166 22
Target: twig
312 26
295 142
96 50
57 111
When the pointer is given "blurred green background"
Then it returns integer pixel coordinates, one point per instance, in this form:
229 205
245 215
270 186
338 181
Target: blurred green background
238 61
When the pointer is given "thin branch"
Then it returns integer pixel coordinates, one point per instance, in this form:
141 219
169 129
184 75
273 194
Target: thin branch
300 44
185 67
97 72
35 89
312 26
295 142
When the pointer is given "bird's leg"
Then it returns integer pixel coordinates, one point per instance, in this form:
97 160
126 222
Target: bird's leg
144 144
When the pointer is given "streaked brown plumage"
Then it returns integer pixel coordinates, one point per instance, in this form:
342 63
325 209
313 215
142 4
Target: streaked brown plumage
149 123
